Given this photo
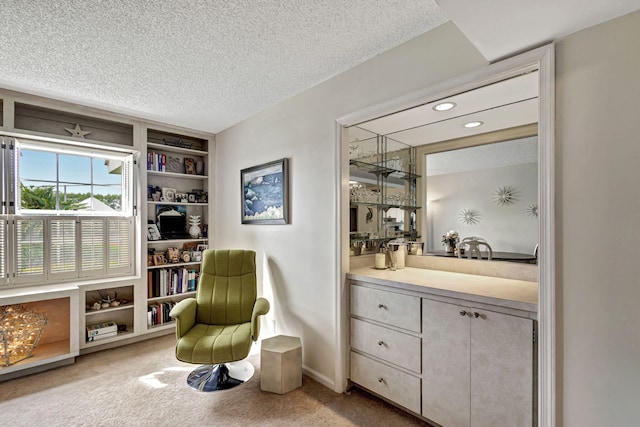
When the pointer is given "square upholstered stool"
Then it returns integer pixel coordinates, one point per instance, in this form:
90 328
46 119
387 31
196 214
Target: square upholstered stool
281 364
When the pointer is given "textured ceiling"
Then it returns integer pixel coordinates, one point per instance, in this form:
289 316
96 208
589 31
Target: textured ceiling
201 64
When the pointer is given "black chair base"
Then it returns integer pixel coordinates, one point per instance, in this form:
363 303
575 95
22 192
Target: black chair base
221 376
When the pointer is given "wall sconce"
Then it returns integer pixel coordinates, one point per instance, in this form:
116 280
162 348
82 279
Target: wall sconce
21 329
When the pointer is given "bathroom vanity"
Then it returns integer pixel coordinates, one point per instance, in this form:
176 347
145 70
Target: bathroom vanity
457 349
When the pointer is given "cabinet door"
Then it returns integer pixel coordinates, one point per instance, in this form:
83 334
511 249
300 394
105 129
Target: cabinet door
445 363
501 370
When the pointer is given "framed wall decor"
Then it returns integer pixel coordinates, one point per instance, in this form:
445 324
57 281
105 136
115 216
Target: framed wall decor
265 193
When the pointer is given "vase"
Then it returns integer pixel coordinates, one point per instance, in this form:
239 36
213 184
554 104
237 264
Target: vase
451 249
194 231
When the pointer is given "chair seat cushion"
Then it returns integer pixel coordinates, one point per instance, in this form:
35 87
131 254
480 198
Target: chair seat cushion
209 344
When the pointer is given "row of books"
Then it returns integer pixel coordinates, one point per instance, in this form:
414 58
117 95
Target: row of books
157 314
171 281
156 162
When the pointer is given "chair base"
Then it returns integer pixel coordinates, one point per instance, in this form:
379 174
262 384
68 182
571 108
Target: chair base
221 376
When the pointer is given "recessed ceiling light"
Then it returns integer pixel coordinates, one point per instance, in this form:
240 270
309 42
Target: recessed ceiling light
444 106
473 124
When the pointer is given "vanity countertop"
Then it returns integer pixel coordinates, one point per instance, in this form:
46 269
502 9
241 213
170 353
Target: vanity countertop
508 293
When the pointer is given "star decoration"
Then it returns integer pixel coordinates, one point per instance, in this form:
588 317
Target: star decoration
504 196
532 210
469 216
77 132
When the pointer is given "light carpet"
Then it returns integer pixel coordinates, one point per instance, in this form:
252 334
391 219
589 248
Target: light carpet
142 384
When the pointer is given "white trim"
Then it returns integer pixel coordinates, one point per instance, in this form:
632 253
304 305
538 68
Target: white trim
541 59
546 259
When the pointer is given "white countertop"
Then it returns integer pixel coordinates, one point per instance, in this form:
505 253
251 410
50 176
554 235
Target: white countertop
509 293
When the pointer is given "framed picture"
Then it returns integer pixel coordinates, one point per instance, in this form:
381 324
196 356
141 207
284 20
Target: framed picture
149 260
189 166
189 246
168 194
152 232
202 247
159 259
265 193
196 256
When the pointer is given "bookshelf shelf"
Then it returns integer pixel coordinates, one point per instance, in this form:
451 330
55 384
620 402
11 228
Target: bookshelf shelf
174 296
177 175
172 149
126 306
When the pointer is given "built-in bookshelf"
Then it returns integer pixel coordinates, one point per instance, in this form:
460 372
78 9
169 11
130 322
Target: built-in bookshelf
109 303
177 182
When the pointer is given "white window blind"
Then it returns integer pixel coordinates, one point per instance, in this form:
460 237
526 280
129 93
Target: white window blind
3 245
62 244
29 249
93 247
119 240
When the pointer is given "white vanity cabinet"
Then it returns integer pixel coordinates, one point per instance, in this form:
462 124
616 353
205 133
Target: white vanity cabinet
385 344
477 366
455 349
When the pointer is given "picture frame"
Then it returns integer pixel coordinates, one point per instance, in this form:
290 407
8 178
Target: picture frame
202 247
196 256
189 166
150 261
159 259
168 194
153 233
265 193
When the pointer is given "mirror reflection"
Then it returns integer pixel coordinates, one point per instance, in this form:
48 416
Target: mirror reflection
489 192
470 171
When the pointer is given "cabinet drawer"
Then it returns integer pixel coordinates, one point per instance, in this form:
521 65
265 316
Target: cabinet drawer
392 346
391 308
393 384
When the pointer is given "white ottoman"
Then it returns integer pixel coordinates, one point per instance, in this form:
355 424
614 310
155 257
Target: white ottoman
281 364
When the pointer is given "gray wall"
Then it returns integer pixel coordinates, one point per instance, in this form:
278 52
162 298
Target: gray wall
598 224
297 262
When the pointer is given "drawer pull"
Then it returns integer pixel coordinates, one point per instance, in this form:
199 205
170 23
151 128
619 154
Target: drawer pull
381 306
463 313
380 342
380 380
476 314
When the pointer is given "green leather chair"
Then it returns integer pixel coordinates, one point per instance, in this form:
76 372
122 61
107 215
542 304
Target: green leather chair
219 325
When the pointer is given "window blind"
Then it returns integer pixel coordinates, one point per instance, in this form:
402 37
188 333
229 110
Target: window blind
119 239
62 246
29 249
3 244
92 244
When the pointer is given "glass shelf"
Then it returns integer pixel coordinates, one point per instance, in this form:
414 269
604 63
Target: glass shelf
386 205
383 170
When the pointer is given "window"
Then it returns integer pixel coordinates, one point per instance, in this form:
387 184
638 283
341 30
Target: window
54 179
68 213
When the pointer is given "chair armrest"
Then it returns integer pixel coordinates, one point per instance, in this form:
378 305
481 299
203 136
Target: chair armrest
261 307
185 314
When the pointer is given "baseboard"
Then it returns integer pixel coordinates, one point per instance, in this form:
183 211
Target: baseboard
317 376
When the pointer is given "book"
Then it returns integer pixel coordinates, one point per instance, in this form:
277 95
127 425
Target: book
101 329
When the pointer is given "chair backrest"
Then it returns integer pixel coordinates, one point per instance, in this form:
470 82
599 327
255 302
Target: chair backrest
474 248
227 287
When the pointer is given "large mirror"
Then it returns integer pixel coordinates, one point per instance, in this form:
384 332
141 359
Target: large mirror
476 156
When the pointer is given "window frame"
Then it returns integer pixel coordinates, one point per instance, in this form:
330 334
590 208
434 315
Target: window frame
11 215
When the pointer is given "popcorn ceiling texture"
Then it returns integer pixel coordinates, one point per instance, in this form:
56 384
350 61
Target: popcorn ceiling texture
201 64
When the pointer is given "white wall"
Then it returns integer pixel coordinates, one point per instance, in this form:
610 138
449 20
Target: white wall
300 258
507 228
598 225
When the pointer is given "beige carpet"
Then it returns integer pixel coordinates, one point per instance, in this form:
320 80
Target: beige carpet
144 385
